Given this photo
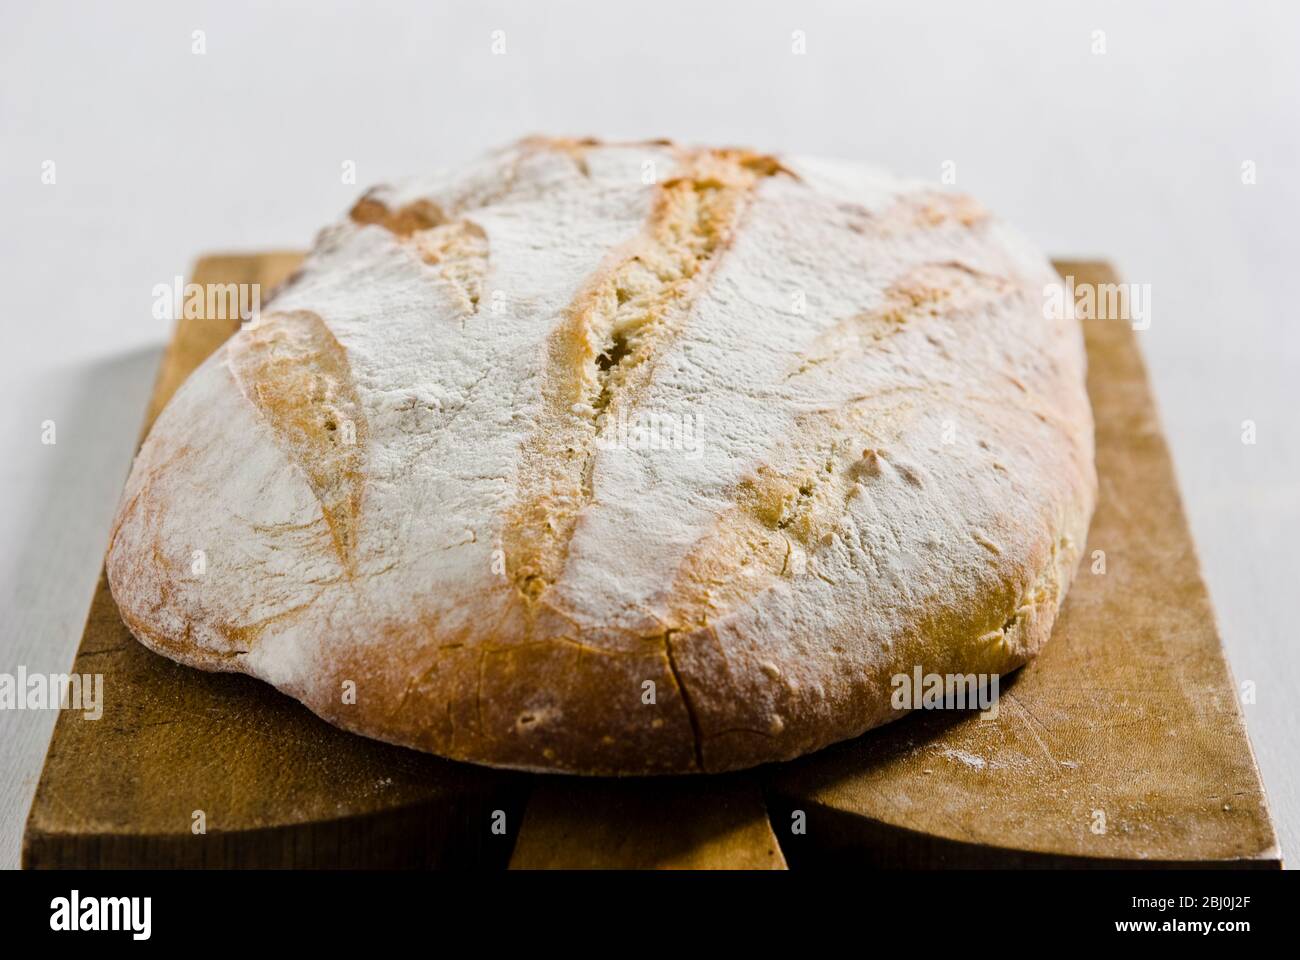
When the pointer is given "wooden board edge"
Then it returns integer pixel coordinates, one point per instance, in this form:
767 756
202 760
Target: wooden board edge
1105 271
861 843
40 849
659 823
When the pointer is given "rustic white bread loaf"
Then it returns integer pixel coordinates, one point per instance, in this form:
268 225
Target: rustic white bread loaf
623 459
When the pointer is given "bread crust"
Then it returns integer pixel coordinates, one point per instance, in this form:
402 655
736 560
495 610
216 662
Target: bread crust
428 505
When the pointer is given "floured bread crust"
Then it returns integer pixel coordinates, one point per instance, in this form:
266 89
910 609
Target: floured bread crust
623 459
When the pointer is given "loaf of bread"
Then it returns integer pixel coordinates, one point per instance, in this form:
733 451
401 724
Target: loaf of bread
623 459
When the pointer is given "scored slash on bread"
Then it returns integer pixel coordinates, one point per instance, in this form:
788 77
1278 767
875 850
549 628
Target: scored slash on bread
417 519
294 371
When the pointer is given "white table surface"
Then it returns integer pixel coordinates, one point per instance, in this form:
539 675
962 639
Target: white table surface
160 154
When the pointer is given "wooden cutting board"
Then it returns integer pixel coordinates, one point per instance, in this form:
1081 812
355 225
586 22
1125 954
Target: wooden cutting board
1122 745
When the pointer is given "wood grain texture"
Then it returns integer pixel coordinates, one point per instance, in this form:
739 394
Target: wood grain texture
664 823
1130 711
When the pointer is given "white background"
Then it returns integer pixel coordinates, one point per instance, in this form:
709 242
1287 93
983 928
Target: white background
1135 155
